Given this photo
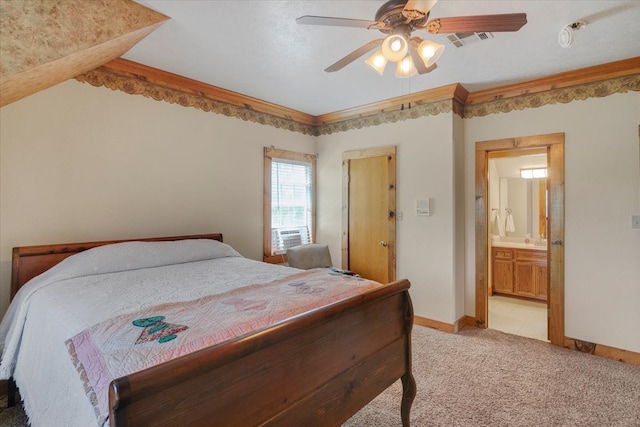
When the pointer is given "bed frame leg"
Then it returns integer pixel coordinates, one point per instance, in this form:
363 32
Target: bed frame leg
11 393
408 394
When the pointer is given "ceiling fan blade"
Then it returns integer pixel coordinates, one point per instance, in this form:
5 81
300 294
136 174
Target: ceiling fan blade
477 24
417 9
354 55
340 22
417 61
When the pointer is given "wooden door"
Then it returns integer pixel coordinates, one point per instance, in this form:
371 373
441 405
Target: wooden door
369 219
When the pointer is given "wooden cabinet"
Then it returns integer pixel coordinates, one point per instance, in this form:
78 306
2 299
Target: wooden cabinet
521 272
502 270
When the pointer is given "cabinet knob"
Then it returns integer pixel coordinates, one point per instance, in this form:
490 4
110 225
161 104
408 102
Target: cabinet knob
557 243
383 244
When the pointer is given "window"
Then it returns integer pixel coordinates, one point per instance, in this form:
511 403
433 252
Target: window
289 201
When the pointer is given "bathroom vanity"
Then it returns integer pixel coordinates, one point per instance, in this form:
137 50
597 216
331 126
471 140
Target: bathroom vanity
520 269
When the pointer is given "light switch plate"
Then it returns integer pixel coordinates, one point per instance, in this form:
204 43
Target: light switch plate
635 221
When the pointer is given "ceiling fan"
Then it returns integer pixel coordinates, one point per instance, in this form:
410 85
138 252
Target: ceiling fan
398 19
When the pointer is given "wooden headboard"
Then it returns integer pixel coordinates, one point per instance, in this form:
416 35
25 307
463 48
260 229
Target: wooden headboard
30 261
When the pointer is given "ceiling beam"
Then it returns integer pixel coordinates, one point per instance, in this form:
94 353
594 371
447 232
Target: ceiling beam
45 42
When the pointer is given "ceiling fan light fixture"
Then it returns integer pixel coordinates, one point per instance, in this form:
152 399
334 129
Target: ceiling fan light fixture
430 52
406 68
397 19
395 47
377 62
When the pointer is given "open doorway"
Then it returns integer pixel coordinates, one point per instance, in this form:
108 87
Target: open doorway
553 144
517 243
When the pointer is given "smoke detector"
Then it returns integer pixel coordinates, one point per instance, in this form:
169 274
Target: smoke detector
565 38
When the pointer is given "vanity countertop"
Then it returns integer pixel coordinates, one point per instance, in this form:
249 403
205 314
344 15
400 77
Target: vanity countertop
519 245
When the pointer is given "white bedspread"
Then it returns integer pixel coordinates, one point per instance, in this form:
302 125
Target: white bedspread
82 291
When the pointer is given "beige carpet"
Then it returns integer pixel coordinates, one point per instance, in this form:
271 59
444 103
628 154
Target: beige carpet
489 378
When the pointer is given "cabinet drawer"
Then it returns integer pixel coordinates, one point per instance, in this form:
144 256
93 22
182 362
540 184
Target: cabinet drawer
530 255
502 253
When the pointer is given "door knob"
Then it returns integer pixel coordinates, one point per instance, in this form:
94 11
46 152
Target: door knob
383 244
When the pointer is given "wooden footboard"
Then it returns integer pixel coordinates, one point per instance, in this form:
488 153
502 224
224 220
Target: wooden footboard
316 369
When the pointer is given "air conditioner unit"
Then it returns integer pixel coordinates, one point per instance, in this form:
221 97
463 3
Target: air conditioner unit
285 238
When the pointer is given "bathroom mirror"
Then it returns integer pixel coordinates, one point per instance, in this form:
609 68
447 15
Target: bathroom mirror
521 203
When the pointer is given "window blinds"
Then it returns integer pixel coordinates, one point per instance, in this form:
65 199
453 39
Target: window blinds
291 204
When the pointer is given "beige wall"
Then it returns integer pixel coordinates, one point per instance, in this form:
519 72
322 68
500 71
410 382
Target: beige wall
602 191
425 245
82 163
85 163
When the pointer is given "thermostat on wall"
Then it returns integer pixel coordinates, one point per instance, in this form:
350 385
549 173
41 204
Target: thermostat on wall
423 207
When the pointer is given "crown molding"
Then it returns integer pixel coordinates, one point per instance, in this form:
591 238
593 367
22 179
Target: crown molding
390 116
612 70
445 99
400 103
137 79
592 82
580 92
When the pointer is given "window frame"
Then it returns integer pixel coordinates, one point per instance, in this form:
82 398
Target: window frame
271 154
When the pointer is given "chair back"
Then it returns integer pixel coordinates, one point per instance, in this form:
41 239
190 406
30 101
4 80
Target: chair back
309 256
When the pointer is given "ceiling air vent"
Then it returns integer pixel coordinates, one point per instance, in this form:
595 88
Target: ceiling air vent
463 39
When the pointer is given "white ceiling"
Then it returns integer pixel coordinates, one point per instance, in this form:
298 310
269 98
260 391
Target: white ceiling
256 48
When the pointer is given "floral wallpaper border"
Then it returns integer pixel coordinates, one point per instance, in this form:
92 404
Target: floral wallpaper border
139 86
565 95
135 86
427 109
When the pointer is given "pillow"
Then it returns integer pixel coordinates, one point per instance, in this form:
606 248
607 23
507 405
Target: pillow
136 255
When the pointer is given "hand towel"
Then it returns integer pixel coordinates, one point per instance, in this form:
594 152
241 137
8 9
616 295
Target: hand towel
498 225
510 226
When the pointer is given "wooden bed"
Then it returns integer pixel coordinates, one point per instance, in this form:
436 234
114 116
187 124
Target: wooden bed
341 355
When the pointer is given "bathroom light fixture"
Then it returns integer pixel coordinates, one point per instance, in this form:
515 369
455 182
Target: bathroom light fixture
533 173
402 50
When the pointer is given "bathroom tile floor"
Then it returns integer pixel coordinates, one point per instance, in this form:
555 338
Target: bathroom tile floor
518 317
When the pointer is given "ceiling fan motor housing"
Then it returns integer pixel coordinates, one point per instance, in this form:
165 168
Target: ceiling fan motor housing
391 14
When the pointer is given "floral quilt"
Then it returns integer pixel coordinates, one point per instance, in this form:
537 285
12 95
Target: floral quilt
132 342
